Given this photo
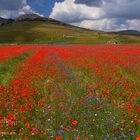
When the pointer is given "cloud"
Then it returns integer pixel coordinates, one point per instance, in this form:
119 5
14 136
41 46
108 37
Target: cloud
115 8
89 2
68 11
9 5
13 9
93 14
98 14
134 24
102 24
122 9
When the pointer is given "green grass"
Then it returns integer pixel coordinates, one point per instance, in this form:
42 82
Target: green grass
39 32
7 68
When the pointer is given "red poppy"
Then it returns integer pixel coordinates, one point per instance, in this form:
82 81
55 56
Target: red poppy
10 117
122 121
138 110
74 122
50 108
58 138
128 126
23 119
27 124
22 108
138 137
10 124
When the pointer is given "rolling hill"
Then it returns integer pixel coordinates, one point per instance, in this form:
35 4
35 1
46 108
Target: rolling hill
3 20
129 32
33 29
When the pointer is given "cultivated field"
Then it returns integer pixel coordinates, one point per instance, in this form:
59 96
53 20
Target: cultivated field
39 32
70 92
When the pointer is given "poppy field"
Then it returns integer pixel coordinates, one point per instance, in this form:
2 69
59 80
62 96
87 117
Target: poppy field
70 92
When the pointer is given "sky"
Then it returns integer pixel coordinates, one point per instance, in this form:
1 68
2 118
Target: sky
106 15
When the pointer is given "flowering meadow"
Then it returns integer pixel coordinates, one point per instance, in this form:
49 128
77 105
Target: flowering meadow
7 52
70 92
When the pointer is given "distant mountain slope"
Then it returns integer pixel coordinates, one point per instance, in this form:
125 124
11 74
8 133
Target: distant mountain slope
129 32
28 17
35 17
33 29
2 20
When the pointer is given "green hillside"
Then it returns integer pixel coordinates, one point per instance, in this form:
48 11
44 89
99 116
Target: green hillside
43 32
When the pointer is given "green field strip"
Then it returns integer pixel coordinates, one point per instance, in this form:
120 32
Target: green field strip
77 91
38 32
7 68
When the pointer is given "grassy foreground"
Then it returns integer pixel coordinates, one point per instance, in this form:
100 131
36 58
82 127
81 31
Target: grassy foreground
73 93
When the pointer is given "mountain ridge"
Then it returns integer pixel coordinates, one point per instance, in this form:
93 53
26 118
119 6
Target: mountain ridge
36 17
32 29
2 20
129 32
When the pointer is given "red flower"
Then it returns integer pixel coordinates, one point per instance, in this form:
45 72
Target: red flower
22 108
27 125
138 137
58 138
134 120
128 126
23 119
24 93
138 110
86 107
34 130
114 129
50 108
49 82
121 107
1 115
21 130
10 117
10 124
74 122
12 133
2 87
107 92
122 121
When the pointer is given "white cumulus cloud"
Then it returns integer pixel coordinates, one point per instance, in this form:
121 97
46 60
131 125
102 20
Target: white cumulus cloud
134 24
14 8
102 24
99 14
68 11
